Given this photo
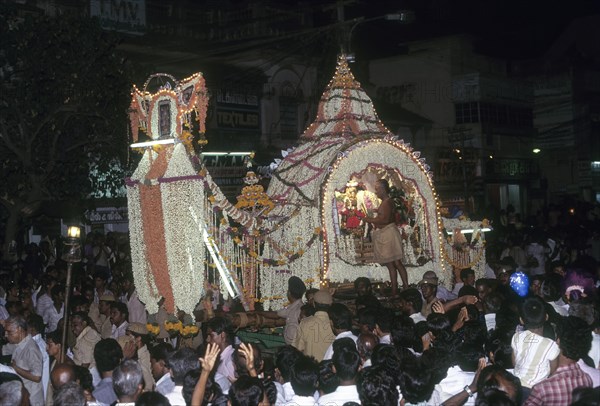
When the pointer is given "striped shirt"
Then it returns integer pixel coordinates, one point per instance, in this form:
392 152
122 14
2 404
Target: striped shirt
533 354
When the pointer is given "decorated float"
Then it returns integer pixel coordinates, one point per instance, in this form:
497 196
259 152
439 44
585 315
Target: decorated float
187 238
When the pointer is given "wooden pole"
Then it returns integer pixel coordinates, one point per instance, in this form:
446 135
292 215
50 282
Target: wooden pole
66 312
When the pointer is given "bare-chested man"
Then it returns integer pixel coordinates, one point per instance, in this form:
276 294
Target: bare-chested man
387 241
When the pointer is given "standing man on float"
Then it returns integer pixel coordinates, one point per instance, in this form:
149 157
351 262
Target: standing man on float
387 241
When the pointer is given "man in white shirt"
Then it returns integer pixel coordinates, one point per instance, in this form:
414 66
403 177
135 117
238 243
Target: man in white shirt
180 363
220 332
137 310
383 324
346 362
35 325
118 317
160 371
411 303
304 379
55 312
341 324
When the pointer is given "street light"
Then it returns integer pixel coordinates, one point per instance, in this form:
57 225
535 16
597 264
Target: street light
402 16
72 255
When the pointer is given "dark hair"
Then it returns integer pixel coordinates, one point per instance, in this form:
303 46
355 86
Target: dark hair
296 287
384 183
496 377
285 358
586 397
69 394
340 316
181 362
493 302
328 380
575 337
550 289
161 351
222 325
467 357
78 300
240 362
498 344
467 290
533 312
83 317
366 315
362 279
305 376
386 357
152 399
84 376
189 383
493 397
36 322
121 308
385 319
246 391
107 354
464 273
308 310
474 334
346 361
413 296
376 387
416 382
55 336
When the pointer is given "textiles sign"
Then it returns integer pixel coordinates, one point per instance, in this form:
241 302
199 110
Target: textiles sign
120 15
237 109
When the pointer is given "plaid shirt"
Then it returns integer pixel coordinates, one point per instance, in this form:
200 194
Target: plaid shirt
558 388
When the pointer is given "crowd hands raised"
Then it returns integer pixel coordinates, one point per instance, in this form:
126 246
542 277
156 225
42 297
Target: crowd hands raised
477 344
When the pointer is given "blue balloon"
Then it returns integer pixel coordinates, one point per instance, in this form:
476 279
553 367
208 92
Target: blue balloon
519 282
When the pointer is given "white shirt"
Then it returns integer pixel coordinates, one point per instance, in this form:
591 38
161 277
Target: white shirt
165 384
417 317
176 397
340 396
45 362
386 339
285 393
226 367
43 303
137 310
593 373
301 401
595 350
453 383
329 352
490 321
52 317
119 331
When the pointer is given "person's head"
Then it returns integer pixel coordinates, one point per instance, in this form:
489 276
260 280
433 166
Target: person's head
429 287
384 321
366 319
79 321
54 343
586 397
483 287
574 337
346 362
61 375
127 283
362 286
376 387
104 304
365 344
492 302
118 313
80 303
57 293
14 308
13 392
220 331
246 391
158 359
467 275
403 332
474 334
83 376
322 300
305 376
411 301
533 313
416 383
310 296
285 359
152 399
107 354
180 363
382 188
584 309
296 288
35 324
340 317
239 360
328 380
139 332
493 397
535 284
100 279
15 329
128 381
494 377
70 394
498 348
467 357
551 288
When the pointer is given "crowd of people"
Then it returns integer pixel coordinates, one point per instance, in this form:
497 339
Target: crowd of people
479 343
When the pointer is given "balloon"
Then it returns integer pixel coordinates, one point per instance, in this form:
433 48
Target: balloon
519 282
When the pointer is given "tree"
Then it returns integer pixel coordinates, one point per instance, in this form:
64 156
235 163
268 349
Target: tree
63 103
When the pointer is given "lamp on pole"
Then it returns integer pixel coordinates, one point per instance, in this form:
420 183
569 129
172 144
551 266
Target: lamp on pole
71 255
402 16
